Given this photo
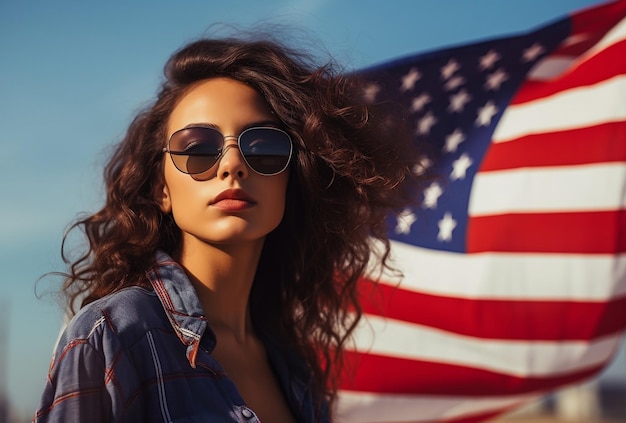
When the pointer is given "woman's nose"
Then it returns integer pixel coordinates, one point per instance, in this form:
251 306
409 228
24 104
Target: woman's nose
231 162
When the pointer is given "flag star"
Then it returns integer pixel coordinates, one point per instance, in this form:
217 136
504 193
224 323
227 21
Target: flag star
454 83
453 140
404 221
574 39
532 52
460 166
458 101
409 80
431 196
422 165
419 102
370 92
496 79
425 123
488 60
486 113
448 70
446 226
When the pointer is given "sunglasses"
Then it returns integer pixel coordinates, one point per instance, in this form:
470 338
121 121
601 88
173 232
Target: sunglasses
196 149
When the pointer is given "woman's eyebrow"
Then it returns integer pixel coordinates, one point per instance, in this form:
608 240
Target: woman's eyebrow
202 125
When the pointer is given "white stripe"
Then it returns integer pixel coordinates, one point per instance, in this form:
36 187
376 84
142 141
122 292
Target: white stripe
361 407
394 338
554 65
589 187
550 67
160 385
186 332
614 36
575 108
95 326
566 277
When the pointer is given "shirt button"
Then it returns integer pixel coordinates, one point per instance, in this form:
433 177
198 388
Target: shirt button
247 413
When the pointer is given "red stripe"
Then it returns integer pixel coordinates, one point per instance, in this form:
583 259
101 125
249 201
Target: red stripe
597 144
576 48
376 373
497 319
605 65
597 20
589 26
598 232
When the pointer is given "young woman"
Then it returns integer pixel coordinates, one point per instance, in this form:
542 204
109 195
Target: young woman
219 280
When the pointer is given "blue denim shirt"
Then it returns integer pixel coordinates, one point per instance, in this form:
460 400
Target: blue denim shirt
141 355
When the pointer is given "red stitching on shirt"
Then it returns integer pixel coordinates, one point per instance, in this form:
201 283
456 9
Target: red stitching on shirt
68 347
107 319
109 375
158 286
66 397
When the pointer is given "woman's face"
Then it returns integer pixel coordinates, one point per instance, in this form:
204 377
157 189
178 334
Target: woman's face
232 203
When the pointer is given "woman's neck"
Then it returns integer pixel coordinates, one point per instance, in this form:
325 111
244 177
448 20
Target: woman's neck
222 276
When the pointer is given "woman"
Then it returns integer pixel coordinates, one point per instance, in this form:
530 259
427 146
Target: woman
219 282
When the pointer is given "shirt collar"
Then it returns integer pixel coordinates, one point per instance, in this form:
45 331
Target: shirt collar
181 304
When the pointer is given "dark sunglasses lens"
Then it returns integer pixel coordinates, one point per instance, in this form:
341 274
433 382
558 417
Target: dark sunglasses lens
266 150
195 150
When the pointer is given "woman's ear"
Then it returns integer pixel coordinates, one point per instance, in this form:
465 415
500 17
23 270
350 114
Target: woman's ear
162 196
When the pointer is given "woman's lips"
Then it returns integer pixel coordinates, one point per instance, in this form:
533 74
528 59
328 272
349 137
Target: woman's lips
232 205
233 200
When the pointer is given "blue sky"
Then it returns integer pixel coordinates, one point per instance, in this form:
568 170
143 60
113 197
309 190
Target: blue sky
73 73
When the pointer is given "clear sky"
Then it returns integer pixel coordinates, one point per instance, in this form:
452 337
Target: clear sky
73 73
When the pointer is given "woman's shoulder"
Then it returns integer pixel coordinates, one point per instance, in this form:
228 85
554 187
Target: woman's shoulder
126 314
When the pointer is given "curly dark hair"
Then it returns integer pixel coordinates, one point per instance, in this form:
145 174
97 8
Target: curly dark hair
352 165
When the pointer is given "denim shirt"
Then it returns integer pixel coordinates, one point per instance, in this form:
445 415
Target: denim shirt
141 355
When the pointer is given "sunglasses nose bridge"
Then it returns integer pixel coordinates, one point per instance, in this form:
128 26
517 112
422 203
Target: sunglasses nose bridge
227 147
240 161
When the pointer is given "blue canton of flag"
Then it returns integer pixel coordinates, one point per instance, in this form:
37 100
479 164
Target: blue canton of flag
455 98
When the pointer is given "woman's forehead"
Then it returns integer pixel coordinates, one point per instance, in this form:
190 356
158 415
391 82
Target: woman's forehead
220 102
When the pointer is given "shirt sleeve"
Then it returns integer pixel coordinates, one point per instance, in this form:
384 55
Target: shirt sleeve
75 389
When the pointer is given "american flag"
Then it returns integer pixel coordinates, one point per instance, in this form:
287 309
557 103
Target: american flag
514 264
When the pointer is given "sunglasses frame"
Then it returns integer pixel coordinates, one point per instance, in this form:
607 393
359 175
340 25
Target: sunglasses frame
224 149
